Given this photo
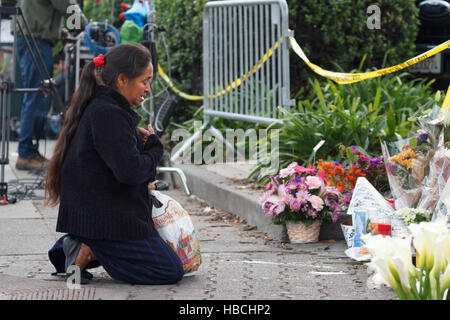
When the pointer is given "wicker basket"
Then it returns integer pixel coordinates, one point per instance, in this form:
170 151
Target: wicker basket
299 233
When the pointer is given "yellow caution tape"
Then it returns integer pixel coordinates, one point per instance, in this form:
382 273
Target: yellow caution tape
235 84
339 77
345 78
175 89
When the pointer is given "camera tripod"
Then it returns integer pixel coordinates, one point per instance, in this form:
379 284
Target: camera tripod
9 11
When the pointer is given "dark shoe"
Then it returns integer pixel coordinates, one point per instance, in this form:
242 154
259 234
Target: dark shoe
161 186
30 163
85 276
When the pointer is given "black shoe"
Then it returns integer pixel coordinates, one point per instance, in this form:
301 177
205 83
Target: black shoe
85 276
161 185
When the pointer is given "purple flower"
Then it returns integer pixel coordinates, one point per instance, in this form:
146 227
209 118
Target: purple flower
376 161
273 206
267 205
422 137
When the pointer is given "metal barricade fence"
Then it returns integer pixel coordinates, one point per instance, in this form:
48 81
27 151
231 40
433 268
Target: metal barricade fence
245 64
246 59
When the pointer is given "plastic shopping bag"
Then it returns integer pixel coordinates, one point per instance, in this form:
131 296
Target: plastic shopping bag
175 227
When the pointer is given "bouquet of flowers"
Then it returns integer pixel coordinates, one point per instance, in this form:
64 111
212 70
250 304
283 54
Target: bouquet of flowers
411 215
300 194
407 165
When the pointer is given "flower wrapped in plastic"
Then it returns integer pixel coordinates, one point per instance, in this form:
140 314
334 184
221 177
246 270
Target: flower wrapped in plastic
407 165
300 194
436 124
436 180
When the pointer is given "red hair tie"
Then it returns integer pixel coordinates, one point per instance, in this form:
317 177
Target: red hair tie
99 61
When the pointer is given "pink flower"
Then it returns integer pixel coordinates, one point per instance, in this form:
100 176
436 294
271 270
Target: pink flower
313 182
283 193
292 186
310 170
335 216
271 204
269 186
299 169
303 196
284 172
295 204
265 197
316 202
289 171
278 208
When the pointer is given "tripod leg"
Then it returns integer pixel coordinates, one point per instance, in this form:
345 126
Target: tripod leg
4 157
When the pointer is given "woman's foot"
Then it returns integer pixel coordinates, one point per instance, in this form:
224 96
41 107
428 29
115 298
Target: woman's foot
85 255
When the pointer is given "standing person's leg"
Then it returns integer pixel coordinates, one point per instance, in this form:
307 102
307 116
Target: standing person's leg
33 104
43 107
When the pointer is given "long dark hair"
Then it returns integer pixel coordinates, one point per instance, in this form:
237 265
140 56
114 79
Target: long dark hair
128 59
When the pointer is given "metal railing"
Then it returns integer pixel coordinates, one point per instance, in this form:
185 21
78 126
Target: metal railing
246 59
245 64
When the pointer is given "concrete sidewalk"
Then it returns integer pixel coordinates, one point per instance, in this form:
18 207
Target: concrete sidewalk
239 261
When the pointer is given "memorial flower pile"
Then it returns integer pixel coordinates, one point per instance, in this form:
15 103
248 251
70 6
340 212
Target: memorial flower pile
300 194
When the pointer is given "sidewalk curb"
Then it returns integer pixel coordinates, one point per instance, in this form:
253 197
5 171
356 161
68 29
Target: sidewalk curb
220 193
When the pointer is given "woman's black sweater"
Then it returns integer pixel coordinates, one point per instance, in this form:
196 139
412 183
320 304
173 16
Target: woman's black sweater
105 173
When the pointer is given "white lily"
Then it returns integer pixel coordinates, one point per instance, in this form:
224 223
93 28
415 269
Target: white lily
392 263
391 260
441 257
445 282
425 235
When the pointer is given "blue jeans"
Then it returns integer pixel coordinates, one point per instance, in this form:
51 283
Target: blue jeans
34 106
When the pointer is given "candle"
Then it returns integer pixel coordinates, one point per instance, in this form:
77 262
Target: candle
384 229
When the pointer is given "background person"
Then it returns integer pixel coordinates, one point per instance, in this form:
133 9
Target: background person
100 171
45 20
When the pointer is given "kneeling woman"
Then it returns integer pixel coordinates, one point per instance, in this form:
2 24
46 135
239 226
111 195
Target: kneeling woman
99 173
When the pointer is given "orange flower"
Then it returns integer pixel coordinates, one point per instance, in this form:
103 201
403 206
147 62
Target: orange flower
340 186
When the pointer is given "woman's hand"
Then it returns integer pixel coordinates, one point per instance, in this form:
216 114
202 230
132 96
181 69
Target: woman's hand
146 133
152 185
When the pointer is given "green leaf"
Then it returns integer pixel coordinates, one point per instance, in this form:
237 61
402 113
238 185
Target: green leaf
391 121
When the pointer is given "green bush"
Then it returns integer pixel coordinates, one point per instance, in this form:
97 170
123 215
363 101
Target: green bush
334 32
102 10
